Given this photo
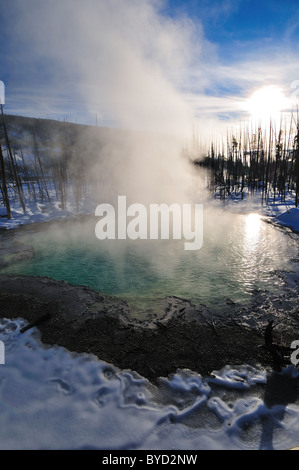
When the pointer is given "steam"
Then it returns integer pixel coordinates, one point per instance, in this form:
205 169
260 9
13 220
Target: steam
123 59
127 63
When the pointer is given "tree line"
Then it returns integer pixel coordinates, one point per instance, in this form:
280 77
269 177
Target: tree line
264 162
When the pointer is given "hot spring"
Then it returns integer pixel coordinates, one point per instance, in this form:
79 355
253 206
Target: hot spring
240 255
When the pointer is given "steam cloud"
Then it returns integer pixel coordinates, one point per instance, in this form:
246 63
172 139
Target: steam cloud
127 59
127 62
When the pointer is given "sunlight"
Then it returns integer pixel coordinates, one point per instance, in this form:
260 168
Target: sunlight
252 227
266 104
251 249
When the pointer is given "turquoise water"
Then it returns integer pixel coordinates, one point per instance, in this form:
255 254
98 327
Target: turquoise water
239 254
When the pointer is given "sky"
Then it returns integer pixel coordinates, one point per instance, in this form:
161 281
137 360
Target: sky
151 64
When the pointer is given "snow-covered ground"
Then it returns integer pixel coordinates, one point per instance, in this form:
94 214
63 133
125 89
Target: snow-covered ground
52 399
290 218
38 212
284 213
280 212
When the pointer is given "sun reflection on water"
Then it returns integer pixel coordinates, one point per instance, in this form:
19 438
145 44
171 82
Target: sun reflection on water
240 254
252 229
252 257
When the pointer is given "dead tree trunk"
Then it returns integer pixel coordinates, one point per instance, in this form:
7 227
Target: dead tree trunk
4 184
16 176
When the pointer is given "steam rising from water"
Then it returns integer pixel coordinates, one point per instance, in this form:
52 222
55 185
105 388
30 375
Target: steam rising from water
132 61
127 63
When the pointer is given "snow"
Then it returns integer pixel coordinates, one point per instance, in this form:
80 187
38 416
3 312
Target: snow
39 212
290 219
51 398
280 212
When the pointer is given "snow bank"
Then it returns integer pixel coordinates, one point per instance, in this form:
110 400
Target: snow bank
52 399
283 213
290 219
39 211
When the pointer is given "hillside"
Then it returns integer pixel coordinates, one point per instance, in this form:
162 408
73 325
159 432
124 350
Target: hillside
51 135
47 163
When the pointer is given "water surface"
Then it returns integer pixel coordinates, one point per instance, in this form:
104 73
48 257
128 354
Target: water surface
240 254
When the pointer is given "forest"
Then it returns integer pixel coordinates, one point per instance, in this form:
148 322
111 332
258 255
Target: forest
40 158
264 162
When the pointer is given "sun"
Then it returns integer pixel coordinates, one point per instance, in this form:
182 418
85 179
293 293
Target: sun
266 104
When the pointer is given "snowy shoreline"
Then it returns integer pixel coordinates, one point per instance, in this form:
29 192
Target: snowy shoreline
72 402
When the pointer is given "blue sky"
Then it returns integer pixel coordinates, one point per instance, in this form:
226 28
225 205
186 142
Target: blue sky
145 61
236 26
